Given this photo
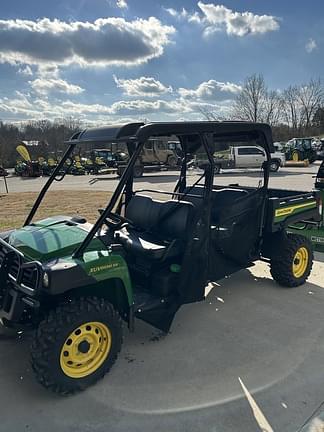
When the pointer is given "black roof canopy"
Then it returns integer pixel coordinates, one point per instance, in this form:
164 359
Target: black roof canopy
142 132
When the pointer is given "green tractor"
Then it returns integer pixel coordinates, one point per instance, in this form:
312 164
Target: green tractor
75 283
300 149
314 230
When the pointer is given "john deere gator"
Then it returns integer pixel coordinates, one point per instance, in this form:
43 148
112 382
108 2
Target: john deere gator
149 252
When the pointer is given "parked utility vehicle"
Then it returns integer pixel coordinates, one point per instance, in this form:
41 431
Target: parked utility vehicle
300 149
243 156
156 155
313 230
75 282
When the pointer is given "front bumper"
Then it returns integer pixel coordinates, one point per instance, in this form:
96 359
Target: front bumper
19 283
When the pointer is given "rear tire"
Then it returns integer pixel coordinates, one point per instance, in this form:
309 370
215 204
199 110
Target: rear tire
296 157
76 345
138 171
172 161
293 262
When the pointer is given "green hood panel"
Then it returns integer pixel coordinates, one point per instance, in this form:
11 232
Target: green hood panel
53 237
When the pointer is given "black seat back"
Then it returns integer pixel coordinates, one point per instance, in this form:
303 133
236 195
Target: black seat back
220 198
167 219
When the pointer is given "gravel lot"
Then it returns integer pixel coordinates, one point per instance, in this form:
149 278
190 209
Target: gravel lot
290 178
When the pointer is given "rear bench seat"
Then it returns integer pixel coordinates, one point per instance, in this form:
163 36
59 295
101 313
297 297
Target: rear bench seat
220 198
159 227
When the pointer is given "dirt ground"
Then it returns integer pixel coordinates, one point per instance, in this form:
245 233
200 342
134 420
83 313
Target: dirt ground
14 207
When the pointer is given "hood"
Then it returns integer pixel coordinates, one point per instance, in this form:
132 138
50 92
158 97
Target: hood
54 237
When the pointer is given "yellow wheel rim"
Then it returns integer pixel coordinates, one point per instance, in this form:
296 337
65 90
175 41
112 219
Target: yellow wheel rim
85 349
300 262
295 157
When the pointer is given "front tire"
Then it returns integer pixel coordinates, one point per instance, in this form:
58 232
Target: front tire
293 262
217 169
76 345
274 166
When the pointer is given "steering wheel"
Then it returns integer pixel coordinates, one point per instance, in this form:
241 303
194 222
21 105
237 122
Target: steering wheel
115 221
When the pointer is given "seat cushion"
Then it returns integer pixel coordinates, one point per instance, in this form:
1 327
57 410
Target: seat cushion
167 220
142 244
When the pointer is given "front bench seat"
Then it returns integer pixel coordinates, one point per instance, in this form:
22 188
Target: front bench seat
159 227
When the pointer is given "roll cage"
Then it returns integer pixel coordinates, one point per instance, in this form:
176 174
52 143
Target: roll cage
192 136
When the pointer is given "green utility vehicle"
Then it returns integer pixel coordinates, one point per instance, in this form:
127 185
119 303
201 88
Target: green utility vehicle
300 149
75 283
313 230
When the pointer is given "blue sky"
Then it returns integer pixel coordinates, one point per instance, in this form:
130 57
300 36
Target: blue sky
103 61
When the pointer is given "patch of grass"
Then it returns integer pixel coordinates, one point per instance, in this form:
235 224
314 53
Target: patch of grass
15 207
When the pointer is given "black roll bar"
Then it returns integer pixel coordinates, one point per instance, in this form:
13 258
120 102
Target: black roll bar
48 184
100 221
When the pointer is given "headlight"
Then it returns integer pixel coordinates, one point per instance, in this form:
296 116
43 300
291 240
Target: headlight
45 280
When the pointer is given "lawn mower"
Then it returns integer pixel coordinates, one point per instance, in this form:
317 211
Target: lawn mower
27 167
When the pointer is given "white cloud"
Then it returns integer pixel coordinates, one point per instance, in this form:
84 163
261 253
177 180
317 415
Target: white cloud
26 71
183 14
310 45
143 86
106 41
121 4
144 107
48 71
46 85
211 90
28 106
216 17
237 23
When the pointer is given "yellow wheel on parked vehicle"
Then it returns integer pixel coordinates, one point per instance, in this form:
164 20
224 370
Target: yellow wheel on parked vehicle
300 262
292 260
295 156
76 344
85 349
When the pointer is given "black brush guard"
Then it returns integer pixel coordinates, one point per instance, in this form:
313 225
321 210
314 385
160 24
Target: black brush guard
20 281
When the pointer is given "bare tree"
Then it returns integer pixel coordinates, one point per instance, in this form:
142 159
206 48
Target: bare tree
291 107
249 104
272 108
208 114
310 97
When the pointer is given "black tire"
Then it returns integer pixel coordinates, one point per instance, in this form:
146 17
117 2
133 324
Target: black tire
217 169
120 171
138 171
282 265
53 335
274 165
312 159
172 161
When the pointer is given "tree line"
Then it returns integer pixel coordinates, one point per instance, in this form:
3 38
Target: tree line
49 134
295 111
